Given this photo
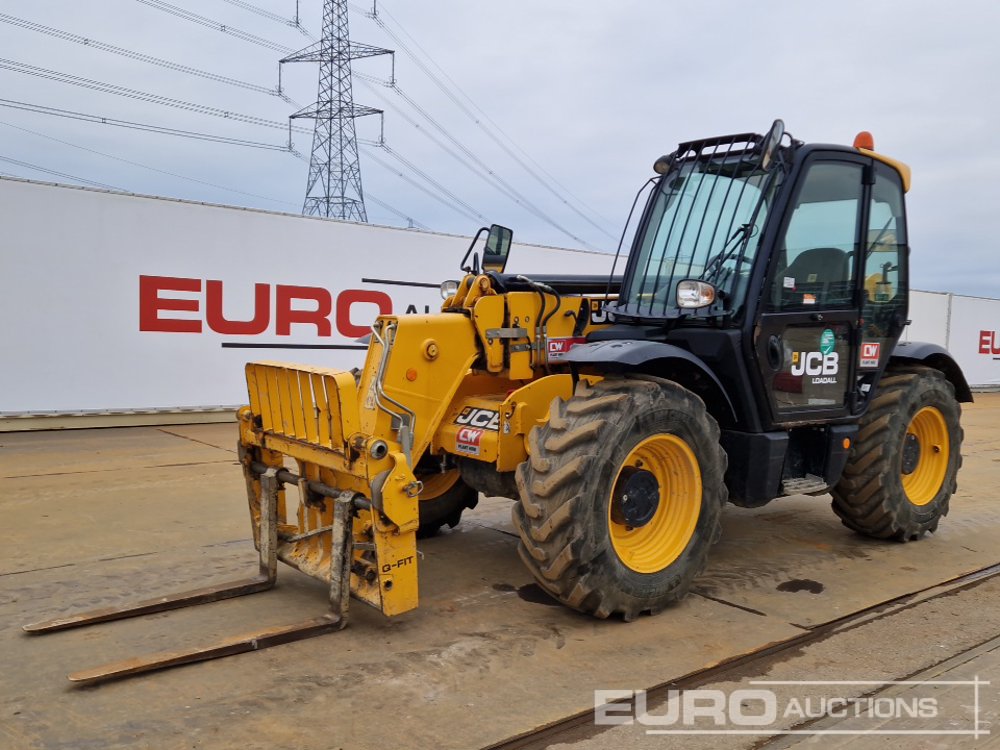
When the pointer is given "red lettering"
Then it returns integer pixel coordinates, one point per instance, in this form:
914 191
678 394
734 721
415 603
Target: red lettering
985 339
284 315
217 320
993 343
349 297
151 304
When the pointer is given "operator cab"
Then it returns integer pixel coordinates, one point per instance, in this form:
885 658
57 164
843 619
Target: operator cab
781 265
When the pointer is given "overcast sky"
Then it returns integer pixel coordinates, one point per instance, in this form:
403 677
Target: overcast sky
593 92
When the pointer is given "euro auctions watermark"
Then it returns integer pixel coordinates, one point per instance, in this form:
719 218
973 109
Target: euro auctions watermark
802 707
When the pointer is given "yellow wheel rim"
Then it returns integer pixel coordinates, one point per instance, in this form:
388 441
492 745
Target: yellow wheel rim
654 546
438 483
930 429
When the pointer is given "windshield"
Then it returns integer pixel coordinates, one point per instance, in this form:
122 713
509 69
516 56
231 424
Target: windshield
703 222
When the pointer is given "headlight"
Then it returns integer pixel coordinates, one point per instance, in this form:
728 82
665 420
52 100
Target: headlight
448 289
692 294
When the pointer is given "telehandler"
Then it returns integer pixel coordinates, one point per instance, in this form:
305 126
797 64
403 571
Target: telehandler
750 350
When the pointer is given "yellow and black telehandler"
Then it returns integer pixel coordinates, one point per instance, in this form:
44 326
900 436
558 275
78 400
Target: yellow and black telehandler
750 350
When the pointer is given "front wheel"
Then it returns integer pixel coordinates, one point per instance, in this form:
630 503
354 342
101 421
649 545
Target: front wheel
902 469
621 496
443 500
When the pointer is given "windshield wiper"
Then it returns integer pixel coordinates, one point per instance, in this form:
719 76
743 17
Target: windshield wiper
742 233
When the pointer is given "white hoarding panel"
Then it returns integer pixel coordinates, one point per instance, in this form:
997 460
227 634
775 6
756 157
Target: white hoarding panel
928 318
117 302
975 339
114 302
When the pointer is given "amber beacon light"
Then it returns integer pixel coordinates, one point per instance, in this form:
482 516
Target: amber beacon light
864 140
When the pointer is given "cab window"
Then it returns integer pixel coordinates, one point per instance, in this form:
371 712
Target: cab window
884 288
815 266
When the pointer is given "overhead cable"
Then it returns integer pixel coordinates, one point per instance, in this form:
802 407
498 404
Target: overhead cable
413 222
458 206
109 88
144 166
516 196
416 170
267 14
447 90
145 127
208 22
132 54
190 106
507 189
64 175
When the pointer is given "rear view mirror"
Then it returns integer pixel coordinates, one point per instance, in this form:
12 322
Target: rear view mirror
497 248
770 144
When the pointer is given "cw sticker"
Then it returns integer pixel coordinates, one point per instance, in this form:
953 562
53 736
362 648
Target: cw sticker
559 347
468 441
870 355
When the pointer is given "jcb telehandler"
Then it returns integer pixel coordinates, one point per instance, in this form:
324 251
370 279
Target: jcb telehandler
751 350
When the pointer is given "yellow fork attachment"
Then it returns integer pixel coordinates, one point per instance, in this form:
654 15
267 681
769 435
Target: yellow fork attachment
268 536
310 416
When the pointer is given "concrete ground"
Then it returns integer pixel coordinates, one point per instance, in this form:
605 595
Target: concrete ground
101 517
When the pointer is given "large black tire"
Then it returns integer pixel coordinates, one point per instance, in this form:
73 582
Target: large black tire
444 499
564 515
894 486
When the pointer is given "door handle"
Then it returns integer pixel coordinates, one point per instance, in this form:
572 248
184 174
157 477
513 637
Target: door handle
775 352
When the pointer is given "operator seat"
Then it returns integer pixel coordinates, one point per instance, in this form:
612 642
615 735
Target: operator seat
823 272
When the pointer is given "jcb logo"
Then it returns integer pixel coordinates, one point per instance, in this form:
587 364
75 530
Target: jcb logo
485 418
815 363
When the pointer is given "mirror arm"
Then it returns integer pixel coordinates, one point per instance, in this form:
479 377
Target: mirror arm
472 244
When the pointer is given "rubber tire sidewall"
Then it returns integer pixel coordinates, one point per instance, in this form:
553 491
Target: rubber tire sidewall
445 509
927 387
677 577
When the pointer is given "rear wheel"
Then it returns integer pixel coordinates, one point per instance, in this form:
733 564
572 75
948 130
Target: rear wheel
621 496
902 469
444 497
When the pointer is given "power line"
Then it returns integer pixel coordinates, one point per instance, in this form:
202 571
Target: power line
501 184
64 175
143 166
441 188
375 199
423 188
472 116
409 219
518 198
208 22
366 81
509 191
147 127
267 14
131 54
144 127
109 88
470 214
189 106
366 78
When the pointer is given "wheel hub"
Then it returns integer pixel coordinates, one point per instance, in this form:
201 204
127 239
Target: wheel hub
636 497
911 453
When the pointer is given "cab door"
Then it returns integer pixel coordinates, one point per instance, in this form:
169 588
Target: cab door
806 332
